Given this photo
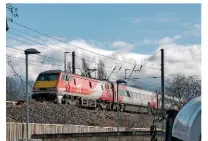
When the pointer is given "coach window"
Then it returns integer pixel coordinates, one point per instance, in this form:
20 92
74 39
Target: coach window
102 86
149 97
143 96
146 97
128 94
90 84
138 96
133 95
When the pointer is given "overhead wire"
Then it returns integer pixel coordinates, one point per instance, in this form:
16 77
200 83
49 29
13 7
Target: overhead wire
22 51
46 47
42 45
76 45
40 38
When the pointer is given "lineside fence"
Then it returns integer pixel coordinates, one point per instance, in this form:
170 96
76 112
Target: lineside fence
16 131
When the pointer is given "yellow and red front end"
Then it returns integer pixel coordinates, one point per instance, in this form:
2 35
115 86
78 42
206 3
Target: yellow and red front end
45 87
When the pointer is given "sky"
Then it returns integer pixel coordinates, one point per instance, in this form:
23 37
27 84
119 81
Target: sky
133 33
137 24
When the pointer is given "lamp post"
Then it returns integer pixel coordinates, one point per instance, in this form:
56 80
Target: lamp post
65 60
27 52
118 82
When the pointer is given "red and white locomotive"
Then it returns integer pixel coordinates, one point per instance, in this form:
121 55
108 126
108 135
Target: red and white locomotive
66 88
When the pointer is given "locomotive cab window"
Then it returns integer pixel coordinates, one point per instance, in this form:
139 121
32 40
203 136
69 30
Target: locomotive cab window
102 86
48 77
63 77
68 78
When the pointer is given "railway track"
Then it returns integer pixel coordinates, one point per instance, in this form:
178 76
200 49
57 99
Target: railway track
66 114
21 102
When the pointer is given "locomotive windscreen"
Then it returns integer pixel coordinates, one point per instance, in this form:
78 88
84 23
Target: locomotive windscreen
48 77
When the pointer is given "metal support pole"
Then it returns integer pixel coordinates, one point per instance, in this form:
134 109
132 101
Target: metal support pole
27 96
73 62
65 62
162 77
117 109
157 101
111 72
162 84
125 73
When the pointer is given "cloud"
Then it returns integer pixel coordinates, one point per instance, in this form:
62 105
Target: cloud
179 58
165 19
192 30
159 18
137 20
147 42
123 47
169 40
122 44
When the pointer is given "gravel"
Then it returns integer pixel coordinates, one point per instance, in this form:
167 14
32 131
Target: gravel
67 114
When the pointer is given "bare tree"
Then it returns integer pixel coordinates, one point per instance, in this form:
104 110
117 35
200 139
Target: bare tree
101 70
85 69
13 11
15 88
68 67
181 90
11 93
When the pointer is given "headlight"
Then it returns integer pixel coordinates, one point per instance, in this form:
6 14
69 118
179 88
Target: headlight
35 89
61 89
53 89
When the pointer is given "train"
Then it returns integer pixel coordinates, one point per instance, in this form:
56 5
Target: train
65 88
